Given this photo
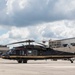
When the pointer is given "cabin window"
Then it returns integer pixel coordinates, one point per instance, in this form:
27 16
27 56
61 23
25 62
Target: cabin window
29 52
20 52
23 53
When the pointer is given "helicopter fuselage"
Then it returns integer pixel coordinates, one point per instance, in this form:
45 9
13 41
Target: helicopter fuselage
32 52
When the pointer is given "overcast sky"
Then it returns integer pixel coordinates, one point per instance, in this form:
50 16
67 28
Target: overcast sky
36 19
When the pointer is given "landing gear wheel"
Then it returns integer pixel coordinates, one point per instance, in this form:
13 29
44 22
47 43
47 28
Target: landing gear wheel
24 61
19 61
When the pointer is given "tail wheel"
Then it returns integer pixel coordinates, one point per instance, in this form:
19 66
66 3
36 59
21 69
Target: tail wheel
71 61
24 61
19 61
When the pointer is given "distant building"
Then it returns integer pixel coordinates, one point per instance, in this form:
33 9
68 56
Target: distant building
3 48
63 44
54 43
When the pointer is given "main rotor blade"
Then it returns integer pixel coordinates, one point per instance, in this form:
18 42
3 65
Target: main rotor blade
29 41
40 43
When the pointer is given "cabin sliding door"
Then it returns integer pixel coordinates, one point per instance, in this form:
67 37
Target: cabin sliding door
32 52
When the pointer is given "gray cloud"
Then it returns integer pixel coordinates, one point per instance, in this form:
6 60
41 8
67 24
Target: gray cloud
46 31
52 19
32 12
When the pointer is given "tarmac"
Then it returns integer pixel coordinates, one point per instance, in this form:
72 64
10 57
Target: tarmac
39 67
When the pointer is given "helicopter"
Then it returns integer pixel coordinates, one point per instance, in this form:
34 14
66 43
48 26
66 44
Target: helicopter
31 51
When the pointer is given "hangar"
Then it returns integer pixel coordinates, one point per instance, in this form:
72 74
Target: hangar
67 45
3 48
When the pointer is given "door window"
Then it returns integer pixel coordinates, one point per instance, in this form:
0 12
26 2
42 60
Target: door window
29 52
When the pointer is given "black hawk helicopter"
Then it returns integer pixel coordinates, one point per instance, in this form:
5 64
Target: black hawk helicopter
35 52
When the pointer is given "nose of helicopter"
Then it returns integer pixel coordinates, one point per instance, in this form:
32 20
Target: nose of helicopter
3 56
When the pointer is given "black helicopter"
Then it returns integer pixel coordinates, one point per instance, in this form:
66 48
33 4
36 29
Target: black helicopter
35 52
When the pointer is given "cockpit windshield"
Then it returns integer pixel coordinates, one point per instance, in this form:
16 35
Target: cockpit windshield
8 52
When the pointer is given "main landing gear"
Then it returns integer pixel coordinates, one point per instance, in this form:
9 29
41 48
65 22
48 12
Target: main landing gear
22 61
